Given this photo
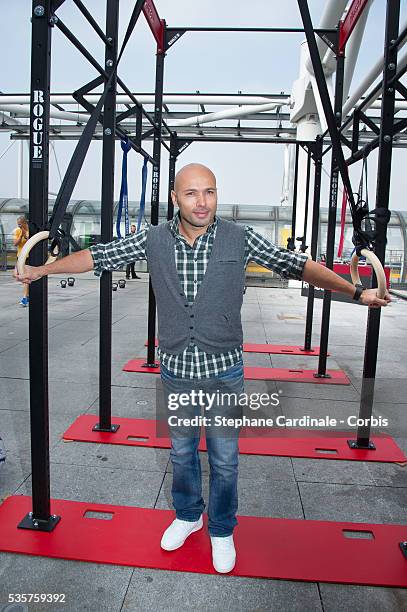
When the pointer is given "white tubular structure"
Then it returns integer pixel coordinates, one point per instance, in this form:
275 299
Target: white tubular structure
332 13
304 115
307 112
318 100
260 106
397 106
370 78
31 242
230 113
353 48
377 266
221 100
23 110
291 171
20 169
286 176
352 51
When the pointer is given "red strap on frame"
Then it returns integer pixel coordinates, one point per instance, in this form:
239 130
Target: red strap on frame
351 18
156 24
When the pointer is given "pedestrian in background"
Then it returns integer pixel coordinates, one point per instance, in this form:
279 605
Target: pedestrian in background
130 267
20 237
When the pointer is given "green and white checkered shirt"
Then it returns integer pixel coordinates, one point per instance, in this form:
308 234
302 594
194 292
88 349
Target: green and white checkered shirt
191 263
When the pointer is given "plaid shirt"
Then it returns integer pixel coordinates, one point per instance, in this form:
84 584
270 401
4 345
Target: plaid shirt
191 263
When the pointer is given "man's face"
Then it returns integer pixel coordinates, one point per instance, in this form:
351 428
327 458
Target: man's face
133 229
196 196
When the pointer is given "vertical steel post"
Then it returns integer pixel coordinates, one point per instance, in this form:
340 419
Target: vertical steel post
40 518
330 241
155 197
316 150
382 200
108 158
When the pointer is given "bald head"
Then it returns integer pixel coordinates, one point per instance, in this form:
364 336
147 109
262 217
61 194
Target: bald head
191 173
195 195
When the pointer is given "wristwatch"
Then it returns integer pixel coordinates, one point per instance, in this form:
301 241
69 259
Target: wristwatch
358 292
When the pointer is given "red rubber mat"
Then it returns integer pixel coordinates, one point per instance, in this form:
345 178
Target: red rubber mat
279 441
337 377
137 365
289 549
274 349
279 349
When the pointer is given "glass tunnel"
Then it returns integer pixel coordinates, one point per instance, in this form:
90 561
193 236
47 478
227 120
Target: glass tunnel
82 221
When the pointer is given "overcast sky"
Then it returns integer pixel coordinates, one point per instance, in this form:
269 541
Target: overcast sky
208 62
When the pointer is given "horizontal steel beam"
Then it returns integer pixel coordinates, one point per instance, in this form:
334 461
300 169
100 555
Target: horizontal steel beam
400 142
265 30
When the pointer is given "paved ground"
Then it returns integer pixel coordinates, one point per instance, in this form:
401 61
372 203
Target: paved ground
269 486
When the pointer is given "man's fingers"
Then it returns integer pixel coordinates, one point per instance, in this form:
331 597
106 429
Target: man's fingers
378 303
383 302
22 279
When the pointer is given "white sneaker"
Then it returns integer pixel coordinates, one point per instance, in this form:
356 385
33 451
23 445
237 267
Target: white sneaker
223 554
176 534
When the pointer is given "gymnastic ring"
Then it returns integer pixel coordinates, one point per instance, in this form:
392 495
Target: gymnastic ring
377 267
25 251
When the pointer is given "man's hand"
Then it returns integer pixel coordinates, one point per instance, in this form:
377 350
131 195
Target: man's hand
320 276
369 298
80 261
31 273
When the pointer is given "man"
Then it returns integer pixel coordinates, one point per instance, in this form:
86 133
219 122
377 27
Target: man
20 237
130 266
197 265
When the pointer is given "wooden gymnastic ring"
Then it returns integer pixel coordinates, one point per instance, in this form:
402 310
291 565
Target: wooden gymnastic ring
25 251
377 267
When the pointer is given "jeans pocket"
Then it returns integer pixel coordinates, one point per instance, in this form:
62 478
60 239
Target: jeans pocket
235 371
165 373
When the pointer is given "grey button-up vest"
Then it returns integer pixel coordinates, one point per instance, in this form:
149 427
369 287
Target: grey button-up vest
212 321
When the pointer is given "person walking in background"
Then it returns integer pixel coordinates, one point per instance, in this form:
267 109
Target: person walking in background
130 267
20 237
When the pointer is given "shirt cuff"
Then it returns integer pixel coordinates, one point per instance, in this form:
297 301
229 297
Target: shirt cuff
97 265
297 266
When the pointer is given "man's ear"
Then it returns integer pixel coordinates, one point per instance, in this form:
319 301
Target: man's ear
174 198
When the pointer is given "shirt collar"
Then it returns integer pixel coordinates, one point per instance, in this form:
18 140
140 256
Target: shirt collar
174 225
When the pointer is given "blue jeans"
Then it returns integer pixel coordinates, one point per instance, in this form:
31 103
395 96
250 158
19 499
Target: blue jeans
223 452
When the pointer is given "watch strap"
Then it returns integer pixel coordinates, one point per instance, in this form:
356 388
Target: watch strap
358 292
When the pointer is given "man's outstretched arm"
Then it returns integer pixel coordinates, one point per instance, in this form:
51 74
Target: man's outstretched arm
81 261
98 257
323 277
297 266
